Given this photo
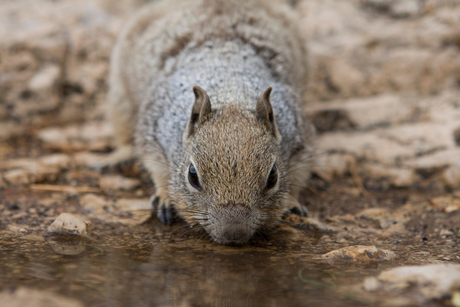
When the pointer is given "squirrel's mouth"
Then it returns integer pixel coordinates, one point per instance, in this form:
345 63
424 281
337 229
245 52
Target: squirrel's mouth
232 224
233 234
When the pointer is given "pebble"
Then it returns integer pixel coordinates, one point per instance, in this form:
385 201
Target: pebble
433 281
359 253
67 223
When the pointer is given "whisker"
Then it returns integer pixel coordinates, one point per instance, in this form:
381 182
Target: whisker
188 231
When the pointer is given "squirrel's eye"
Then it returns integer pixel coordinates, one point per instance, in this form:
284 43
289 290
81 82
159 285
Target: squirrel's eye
193 177
272 178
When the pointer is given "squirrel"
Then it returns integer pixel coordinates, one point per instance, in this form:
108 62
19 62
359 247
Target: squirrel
207 94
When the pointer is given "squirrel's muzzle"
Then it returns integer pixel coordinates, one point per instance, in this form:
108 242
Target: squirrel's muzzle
233 224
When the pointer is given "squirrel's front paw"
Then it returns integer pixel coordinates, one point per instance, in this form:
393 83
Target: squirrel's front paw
293 206
163 208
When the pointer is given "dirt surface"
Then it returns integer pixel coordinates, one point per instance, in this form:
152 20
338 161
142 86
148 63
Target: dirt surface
384 95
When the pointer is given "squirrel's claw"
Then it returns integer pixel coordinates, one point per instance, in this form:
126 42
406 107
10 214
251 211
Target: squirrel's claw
295 207
164 210
166 214
301 210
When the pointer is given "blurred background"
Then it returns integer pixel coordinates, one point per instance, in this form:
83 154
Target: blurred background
383 88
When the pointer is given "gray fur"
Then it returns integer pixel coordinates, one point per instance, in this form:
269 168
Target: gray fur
234 50
231 73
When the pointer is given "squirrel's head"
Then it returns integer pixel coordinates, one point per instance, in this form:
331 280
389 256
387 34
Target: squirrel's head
232 180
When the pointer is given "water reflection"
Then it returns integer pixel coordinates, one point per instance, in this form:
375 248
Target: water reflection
67 244
158 267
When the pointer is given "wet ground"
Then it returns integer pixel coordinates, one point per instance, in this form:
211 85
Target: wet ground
130 260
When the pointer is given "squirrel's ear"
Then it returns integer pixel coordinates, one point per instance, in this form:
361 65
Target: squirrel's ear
201 111
264 113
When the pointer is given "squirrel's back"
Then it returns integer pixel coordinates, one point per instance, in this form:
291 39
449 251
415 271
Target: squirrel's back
161 31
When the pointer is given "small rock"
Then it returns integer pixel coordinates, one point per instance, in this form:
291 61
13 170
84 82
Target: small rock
371 284
367 146
360 253
451 176
77 137
95 203
397 177
17 177
437 160
139 210
425 136
23 163
405 8
446 203
25 171
88 158
367 112
17 229
378 214
67 223
306 222
124 204
123 211
44 78
433 281
118 182
446 232
327 166
25 297
55 160
55 137
317 224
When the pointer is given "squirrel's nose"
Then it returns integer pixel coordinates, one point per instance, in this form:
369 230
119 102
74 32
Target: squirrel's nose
233 224
236 234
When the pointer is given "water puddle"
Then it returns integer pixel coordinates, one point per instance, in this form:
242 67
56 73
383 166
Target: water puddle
161 266
123 263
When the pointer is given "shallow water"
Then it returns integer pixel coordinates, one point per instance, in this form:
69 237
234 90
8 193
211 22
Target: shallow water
156 265
128 272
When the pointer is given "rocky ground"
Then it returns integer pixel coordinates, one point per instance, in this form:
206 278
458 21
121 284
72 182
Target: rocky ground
383 92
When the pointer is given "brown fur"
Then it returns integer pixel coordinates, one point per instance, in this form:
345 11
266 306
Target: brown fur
232 144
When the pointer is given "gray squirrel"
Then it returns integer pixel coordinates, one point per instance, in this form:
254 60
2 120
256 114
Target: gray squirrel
207 94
